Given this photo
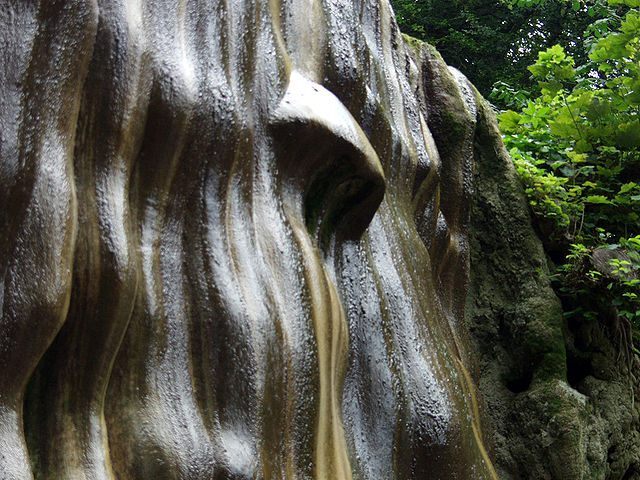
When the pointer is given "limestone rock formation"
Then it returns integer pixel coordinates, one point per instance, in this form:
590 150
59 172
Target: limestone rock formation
559 396
231 247
234 243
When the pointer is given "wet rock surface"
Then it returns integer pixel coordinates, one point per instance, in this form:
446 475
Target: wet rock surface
236 241
231 247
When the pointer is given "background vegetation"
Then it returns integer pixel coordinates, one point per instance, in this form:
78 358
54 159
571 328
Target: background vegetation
565 75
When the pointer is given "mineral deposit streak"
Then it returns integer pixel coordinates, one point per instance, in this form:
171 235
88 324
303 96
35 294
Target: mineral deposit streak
233 244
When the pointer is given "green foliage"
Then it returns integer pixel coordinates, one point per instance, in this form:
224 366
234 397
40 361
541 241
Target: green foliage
495 40
575 141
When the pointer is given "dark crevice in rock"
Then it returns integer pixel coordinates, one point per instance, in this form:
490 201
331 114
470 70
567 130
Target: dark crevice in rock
630 474
577 370
519 383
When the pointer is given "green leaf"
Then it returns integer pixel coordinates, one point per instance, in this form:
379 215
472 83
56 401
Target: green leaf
509 121
583 146
627 187
628 3
628 135
597 199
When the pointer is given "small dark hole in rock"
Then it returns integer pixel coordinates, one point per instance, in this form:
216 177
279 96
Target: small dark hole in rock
577 370
519 383
610 451
630 473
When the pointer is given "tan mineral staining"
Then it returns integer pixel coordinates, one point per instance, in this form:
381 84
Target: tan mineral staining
231 246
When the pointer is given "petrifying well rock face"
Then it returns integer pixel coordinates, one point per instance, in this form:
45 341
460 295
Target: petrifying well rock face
233 244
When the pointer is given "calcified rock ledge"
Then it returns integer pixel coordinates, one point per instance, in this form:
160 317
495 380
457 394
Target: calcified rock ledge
234 242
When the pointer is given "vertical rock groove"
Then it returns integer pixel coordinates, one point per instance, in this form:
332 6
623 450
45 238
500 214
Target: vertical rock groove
41 98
